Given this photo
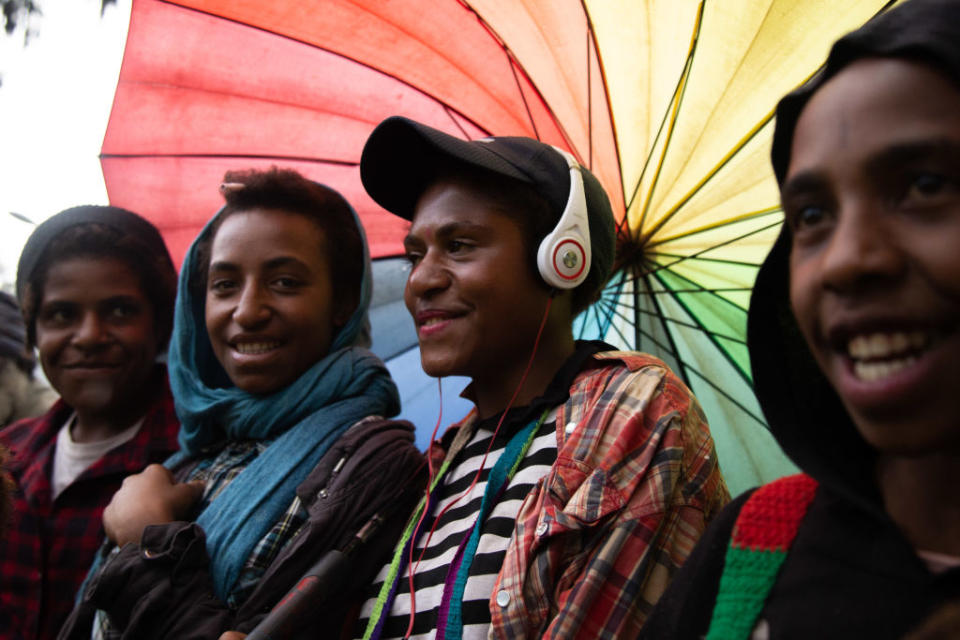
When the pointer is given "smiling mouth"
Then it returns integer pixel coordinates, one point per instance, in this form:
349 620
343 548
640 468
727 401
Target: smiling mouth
879 355
255 348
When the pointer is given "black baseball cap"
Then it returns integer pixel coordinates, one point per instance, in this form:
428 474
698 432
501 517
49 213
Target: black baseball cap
402 158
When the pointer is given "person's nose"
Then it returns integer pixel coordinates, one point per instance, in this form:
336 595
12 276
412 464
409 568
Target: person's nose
428 276
91 332
252 308
862 250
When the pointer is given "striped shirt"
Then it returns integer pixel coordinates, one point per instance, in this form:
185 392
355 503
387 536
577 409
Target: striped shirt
456 523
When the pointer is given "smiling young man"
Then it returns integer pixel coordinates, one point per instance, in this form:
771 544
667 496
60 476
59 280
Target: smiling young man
855 340
565 501
96 285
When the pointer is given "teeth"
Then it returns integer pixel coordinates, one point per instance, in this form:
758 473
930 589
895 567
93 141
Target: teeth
432 321
253 348
886 345
871 371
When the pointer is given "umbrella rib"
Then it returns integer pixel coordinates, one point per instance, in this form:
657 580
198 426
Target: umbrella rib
450 112
523 96
613 311
736 149
589 101
712 247
710 174
700 289
711 335
682 323
681 258
245 156
653 339
730 398
673 114
666 329
503 45
724 223
640 332
606 95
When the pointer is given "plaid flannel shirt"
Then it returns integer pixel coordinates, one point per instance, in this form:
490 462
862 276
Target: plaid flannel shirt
50 543
634 485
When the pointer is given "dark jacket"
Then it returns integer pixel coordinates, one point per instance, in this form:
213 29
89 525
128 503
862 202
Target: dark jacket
51 543
162 588
850 572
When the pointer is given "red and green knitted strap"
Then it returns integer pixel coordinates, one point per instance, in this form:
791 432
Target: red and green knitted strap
762 535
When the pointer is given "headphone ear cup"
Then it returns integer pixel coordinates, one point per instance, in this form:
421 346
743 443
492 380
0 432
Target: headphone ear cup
563 257
562 261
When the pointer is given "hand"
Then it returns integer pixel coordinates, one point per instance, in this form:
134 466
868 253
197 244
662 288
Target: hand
232 635
149 497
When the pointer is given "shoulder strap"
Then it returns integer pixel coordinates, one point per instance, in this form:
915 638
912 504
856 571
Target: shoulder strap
762 535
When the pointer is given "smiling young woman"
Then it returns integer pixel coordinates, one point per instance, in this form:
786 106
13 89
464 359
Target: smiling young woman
284 433
97 287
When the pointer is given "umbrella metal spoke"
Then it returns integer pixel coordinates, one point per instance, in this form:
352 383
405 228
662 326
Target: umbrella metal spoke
730 398
666 330
712 336
720 224
674 352
674 112
683 323
232 156
697 254
681 258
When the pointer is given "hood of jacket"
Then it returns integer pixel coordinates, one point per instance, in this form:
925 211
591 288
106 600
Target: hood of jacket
805 414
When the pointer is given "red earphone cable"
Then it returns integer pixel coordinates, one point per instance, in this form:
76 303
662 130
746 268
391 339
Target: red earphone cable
411 568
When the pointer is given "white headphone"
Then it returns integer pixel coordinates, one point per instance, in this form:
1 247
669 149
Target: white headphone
564 255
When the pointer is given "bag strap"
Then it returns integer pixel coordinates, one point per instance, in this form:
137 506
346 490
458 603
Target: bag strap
762 535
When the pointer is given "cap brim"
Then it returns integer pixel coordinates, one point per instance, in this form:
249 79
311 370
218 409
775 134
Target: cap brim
402 157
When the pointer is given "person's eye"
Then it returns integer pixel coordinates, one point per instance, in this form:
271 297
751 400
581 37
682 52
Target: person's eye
806 217
123 310
413 258
925 185
287 282
57 316
458 246
221 286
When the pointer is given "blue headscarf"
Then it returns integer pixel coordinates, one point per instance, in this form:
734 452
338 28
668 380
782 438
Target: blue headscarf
304 418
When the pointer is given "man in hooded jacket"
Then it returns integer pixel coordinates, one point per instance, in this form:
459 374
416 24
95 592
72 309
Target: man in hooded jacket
854 336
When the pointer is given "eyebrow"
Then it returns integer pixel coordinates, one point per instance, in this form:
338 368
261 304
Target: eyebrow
273 263
891 157
900 154
446 230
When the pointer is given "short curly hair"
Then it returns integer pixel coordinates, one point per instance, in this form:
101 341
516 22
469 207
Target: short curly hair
287 190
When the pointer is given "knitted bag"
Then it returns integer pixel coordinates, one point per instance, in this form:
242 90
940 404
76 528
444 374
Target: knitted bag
762 535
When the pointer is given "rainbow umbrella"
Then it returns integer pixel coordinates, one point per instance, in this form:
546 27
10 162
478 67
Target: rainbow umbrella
668 102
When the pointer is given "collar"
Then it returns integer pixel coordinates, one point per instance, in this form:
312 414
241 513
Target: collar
556 393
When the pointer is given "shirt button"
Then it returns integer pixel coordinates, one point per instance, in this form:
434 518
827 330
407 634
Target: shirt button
503 598
570 428
542 528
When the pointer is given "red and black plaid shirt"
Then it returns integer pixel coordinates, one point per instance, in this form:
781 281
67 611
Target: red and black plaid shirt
50 544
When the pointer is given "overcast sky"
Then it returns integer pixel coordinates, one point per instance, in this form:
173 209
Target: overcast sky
54 105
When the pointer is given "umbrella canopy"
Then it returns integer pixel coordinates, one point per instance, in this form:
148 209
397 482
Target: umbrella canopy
668 102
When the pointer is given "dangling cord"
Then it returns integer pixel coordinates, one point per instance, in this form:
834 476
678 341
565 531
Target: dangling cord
411 567
426 505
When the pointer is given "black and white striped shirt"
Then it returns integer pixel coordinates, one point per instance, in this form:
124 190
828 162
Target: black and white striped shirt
456 523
